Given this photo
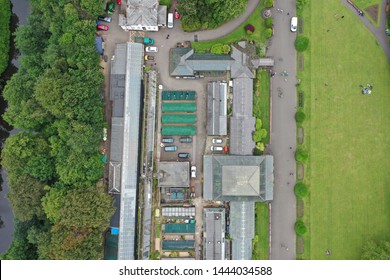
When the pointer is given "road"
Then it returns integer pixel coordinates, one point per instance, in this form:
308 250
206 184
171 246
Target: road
283 133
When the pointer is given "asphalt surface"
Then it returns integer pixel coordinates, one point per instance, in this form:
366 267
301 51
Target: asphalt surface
378 32
283 133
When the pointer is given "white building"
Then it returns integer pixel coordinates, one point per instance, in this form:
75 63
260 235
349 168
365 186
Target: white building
145 15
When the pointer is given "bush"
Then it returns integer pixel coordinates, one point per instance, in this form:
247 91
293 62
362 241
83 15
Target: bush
300 116
268 33
301 43
268 3
249 29
300 228
220 49
301 155
301 190
300 4
269 22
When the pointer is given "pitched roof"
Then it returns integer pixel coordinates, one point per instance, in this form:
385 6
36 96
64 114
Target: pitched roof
217 108
142 12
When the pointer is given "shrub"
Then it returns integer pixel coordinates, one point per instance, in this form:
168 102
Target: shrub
300 228
249 29
268 3
301 190
301 43
300 4
269 22
268 33
301 155
220 49
300 116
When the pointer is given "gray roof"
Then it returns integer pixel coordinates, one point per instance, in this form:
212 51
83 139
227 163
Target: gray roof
238 178
184 62
162 16
178 211
261 62
241 65
174 174
214 233
242 229
129 176
142 12
217 108
242 97
114 221
241 129
117 80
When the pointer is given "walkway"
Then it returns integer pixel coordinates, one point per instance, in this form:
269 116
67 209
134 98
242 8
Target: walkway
283 133
378 32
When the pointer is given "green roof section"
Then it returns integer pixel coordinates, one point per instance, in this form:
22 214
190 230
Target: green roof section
178 245
178 107
178 130
178 95
178 118
179 228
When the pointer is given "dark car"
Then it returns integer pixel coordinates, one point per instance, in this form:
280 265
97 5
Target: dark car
102 27
106 19
185 139
184 155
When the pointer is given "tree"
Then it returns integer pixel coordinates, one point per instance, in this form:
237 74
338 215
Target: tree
249 29
25 195
268 33
259 124
301 43
300 228
5 15
300 116
28 154
268 3
220 49
53 202
376 250
268 22
301 155
301 190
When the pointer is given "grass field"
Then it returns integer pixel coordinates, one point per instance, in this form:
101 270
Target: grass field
363 4
239 34
261 106
260 249
346 134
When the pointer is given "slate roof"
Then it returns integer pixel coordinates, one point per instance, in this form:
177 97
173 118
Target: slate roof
217 108
142 12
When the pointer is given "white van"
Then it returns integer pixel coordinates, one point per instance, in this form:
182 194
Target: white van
170 20
294 24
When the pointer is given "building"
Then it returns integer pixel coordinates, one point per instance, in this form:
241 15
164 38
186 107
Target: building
174 181
126 95
217 108
214 233
145 15
241 180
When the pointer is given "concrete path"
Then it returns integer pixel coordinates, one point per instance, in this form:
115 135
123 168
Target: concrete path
378 32
283 133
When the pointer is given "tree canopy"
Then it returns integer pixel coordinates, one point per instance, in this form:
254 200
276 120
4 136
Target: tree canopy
210 14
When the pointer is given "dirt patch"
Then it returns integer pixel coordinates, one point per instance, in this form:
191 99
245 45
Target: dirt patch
300 171
300 247
301 62
300 208
372 11
300 135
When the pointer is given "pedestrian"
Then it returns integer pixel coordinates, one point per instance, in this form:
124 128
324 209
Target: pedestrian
288 14
290 148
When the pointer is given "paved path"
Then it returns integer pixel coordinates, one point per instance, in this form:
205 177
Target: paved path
378 32
283 133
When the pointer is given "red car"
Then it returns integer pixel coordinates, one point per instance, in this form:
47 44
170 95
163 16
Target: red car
119 2
177 15
102 27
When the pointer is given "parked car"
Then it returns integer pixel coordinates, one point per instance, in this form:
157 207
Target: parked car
294 24
217 148
217 141
185 139
151 49
184 155
170 148
193 171
149 57
119 2
106 19
167 140
170 20
102 27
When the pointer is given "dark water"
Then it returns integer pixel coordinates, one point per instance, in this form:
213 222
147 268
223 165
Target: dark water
20 12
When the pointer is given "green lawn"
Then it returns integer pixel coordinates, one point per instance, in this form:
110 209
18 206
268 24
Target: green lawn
363 4
261 99
260 248
255 19
346 134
